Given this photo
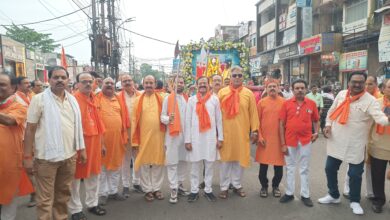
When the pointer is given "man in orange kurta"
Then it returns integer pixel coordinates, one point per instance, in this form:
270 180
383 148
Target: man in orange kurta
269 149
13 178
115 138
93 130
148 140
239 120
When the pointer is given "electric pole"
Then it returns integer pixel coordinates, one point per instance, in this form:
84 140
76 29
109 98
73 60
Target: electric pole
94 37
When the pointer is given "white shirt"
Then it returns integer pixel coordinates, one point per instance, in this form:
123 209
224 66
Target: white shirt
35 114
174 146
348 142
204 145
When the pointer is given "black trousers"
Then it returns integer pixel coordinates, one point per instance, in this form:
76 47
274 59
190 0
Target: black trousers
278 175
378 172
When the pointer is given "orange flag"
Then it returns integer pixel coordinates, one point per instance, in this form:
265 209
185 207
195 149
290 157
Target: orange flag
63 59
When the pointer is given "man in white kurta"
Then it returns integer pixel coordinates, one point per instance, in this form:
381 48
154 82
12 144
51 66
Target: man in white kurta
202 146
175 153
347 139
128 96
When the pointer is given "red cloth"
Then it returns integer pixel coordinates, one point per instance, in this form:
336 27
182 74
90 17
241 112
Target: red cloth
298 121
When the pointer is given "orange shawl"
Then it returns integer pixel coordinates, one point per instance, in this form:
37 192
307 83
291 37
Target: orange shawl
343 109
201 111
231 104
175 127
7 102
23 96
137 133
380 129
122 101
377 94
93 111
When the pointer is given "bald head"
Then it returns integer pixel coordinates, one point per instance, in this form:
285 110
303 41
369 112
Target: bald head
108 87
5 86
149 84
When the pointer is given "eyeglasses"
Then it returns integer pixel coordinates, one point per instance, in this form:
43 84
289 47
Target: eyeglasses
237 75
84 82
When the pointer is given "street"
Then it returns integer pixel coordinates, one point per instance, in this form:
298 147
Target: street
251 207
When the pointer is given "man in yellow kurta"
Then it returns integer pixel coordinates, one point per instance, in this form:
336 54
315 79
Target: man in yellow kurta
240 119
115 139
148 140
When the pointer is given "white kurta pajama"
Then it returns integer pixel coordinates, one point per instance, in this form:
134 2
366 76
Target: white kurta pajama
204 144
125 169
348 142
175 153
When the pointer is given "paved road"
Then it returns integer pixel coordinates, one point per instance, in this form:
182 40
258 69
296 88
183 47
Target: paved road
251 207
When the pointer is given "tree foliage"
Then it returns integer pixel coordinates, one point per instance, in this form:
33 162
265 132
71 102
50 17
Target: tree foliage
32 39
146 69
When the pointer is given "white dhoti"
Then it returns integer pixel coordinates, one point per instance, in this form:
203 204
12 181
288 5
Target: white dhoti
176 174
8 212
152 178
231 173
126 171
109 182
91 194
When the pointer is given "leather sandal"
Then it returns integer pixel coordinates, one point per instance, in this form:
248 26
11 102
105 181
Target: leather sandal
224 194
158 195
97 210
240 192
149 197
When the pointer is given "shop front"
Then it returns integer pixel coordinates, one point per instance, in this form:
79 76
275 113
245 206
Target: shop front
322 58
289 60
13 57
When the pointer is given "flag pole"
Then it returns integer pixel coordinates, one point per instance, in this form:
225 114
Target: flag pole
175 80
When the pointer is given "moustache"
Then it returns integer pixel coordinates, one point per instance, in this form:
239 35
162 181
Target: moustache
60 83
202 87
148 87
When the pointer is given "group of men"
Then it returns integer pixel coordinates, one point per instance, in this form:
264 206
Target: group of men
97 135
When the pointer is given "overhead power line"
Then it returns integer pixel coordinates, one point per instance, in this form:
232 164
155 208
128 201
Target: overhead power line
46 20
68 45
72 36
151 38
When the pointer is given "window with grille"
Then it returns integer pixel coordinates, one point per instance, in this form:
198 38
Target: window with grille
355 10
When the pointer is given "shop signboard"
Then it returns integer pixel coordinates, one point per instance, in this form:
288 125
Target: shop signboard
353 61
310 45
12 50
291 16
267 58
286 52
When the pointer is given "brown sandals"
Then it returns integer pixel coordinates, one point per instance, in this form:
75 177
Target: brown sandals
224 194
149 197
240 192
158 195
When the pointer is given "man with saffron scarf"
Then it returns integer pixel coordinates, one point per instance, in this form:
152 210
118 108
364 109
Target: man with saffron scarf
148 140
269 150
372 87
347 129
93 129
13 179
22 93
379 153
173 116
115 138
127 97
240 118
203 137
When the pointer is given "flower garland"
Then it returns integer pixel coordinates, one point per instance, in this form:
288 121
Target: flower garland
186 55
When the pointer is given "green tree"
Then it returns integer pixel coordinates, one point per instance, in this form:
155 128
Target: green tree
146 69
32 39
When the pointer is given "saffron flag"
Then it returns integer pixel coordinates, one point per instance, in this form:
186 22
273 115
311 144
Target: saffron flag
63 59
177 50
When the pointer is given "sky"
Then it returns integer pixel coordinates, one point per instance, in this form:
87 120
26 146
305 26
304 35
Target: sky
167 20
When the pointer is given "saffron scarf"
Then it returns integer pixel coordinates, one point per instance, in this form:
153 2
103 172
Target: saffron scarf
173 107
201 111
231 104
343 109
